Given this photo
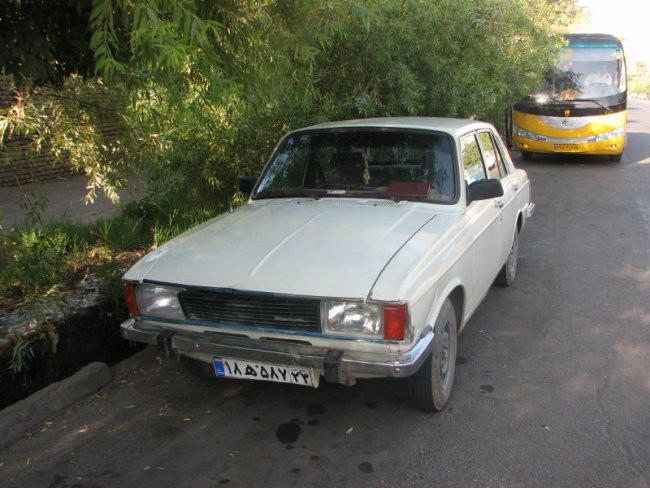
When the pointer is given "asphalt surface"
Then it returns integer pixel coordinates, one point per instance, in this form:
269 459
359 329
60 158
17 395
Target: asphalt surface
552 386
31 412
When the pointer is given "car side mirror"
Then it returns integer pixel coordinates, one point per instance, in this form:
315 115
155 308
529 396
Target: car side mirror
246 184
484 190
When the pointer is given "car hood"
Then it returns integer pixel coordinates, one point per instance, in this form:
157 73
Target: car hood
325 248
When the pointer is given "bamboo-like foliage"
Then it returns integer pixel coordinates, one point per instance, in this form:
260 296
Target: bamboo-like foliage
205 88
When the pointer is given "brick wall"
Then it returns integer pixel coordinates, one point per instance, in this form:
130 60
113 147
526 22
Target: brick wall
19 163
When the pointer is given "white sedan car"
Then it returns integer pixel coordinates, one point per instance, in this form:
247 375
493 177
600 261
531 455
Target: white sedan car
365 247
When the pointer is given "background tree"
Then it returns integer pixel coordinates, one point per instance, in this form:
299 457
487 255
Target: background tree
205 88
44 41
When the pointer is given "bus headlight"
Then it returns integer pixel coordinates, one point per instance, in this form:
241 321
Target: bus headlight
612 134
518 131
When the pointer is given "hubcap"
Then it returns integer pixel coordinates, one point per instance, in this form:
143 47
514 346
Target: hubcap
512 260
445 348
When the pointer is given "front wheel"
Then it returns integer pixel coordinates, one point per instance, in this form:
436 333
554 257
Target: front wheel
430 387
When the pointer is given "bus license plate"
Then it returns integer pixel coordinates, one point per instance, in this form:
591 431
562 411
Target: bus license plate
566 147
254 370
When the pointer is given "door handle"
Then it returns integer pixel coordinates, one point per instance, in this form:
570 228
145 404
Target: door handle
515 187
498 203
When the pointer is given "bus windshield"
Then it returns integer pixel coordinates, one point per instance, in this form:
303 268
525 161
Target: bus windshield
586 73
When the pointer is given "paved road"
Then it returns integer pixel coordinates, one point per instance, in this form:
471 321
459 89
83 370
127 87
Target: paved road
63 199
552 386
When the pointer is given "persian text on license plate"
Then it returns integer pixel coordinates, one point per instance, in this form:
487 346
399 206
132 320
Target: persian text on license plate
253 370
566 147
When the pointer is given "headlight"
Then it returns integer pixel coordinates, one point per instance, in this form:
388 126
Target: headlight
365 320
613 134
159 301
352 318
518 131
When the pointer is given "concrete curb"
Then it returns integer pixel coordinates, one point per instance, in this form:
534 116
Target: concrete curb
22 416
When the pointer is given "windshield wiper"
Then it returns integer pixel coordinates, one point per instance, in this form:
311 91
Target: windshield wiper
559 101
594 101
288 193
366 189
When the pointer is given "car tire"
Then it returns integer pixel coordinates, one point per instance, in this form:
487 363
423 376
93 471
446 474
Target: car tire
526 155
198 368
430 388
509 270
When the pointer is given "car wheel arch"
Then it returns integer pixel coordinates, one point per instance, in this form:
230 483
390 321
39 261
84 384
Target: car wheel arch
455 292
520 222
457 298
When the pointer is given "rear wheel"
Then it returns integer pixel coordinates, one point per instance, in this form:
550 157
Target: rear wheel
430 387
509 270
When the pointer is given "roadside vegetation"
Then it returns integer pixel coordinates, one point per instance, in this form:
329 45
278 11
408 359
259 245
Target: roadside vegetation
201 91
639 84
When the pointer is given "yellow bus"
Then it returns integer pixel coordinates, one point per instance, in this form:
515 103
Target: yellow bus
582 108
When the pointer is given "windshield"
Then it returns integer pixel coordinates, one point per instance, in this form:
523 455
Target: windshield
390 163
586 73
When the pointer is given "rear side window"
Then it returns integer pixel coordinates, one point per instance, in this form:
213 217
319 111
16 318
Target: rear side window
491 155
472 160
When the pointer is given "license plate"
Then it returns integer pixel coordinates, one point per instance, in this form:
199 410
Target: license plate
254 370
566 147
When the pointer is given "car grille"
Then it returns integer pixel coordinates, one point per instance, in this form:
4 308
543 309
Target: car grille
269 311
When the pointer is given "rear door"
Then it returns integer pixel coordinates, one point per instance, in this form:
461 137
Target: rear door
483 220
498 169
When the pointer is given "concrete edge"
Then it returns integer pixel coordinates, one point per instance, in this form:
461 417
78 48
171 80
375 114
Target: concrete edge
24 415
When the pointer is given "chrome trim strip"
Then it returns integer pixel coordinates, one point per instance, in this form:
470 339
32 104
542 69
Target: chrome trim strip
529 210
601 137
226 328
568 123
130 333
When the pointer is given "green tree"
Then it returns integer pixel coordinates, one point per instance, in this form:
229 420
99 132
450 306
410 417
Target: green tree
45 41
205 88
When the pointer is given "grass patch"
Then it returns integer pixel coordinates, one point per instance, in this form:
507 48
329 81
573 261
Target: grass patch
48 260
52 269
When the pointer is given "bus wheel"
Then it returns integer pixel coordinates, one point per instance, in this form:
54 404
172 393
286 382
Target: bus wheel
526 155
615 158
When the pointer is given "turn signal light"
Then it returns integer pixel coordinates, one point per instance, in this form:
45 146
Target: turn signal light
129 296
396 322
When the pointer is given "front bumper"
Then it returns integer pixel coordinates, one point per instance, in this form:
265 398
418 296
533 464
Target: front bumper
337 366
570 146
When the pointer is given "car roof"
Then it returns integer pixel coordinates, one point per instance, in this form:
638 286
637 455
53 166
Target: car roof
456 127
